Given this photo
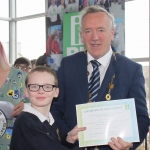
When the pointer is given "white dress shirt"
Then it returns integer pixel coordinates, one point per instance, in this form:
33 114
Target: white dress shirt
104 61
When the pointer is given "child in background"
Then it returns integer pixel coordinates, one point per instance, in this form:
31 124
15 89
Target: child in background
61 10
55 46
72 6
33 62
35 128
52 11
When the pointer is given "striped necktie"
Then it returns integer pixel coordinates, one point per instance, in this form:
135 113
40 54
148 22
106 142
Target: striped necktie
94 82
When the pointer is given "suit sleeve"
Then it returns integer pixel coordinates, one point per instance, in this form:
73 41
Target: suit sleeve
58 105
137 91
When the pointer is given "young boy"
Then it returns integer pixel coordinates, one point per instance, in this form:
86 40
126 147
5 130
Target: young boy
35 128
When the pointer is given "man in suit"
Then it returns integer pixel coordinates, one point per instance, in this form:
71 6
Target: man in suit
97 32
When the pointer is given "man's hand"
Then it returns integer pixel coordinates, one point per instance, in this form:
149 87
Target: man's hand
18 109
73 134
119 144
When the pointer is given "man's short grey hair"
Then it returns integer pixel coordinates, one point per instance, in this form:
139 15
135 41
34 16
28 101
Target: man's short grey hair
95 9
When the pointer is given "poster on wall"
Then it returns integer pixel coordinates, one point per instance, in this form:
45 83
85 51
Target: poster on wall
63 39
54 27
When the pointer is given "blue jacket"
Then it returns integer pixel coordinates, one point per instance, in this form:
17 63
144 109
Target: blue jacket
73 84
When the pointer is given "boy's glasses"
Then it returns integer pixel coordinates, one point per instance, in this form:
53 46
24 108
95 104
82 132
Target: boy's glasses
36 87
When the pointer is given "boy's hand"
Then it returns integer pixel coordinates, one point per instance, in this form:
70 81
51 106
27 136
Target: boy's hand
18 109
73 134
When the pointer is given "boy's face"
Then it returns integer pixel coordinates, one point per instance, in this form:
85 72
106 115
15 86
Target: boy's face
41 98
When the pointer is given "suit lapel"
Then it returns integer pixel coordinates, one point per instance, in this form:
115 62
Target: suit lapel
107 79
82 73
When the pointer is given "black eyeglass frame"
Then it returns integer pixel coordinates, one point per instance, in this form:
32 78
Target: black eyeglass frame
53 86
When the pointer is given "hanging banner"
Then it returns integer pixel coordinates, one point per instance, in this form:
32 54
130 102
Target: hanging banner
72 39
63 25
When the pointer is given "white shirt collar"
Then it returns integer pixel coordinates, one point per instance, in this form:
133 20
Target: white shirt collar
103 60
28 108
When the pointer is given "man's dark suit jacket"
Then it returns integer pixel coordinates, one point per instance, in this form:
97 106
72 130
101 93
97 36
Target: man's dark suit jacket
73 84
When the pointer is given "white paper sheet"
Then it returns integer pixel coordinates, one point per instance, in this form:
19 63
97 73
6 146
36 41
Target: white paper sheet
107 119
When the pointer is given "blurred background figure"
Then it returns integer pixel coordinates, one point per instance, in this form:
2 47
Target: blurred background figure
115 43
60 41
72 6
23 63
106 5
12 84
52 11
41 61
48 61
61 9
55 46
33 63
49 41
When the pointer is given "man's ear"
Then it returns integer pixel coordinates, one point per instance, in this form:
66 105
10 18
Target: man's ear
81 37
112 34
26 92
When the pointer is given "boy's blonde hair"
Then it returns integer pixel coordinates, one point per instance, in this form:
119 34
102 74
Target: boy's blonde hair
42 69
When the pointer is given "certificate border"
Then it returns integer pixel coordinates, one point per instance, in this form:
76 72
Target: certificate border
128 103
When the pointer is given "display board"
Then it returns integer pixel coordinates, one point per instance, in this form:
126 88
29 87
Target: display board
63 26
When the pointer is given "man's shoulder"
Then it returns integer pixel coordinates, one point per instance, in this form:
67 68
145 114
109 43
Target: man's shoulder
124 59
126 64
75 56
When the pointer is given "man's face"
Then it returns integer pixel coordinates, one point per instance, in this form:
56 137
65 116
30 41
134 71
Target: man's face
97 34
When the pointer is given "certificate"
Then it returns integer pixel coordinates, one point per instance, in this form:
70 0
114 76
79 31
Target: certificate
107 119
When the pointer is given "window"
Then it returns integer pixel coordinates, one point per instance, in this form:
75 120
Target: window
4 8
4 36
137 41
31 36
137 29
29 7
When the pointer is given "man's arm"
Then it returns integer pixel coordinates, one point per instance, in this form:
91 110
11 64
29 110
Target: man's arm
137 91
58 105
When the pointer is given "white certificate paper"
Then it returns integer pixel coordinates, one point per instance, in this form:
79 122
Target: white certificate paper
107 119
